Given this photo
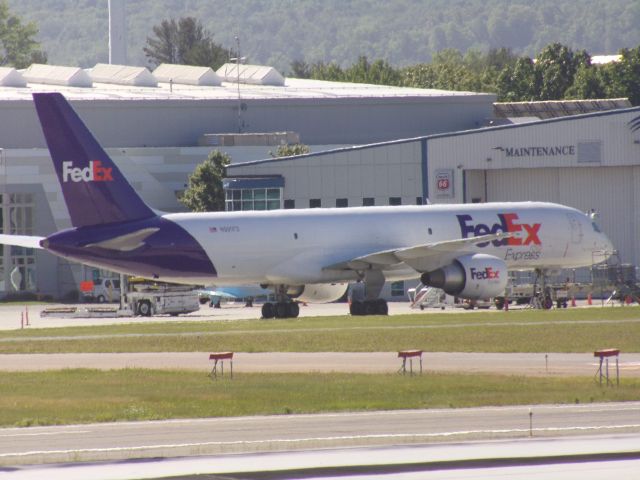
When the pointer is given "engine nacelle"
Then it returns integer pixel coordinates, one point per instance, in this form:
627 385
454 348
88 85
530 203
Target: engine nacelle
319 292
470 276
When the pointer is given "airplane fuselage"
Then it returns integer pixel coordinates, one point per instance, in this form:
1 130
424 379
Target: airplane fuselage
296 246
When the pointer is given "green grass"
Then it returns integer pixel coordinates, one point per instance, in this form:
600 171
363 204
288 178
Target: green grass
82 396
571 330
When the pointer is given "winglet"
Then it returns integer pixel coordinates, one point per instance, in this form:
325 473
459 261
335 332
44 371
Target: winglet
95 191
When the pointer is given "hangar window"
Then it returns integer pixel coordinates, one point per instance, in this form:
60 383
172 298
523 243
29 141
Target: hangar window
395 201
314 203
368 202
17 264
289 204
397 289
342 202
253 199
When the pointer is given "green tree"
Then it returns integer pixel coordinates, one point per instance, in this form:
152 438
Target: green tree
622 78
300 69
587 83
204 192
289 150
378 73
556 66
518 83
17 45
184 42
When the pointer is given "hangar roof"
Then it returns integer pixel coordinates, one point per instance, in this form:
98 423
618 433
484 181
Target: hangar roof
78 84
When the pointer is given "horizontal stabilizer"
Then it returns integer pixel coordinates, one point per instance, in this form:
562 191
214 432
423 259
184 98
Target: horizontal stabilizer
128 242
26 241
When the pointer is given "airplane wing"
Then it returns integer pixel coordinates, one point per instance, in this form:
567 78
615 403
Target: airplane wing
26 241
422 258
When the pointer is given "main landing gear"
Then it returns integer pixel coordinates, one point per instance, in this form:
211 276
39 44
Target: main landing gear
284 307
365 295
369 307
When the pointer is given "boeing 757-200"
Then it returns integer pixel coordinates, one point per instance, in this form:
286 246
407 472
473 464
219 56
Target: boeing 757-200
309 255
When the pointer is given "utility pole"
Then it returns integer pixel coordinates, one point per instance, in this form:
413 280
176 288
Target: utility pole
238 61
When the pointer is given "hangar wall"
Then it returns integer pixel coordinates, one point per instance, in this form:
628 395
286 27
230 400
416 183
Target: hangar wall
587 161
393 170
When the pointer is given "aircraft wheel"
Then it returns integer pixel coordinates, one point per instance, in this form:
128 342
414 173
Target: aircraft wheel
356 308
101 299
144 308
294 310
267 310
282 310
370 307
382 308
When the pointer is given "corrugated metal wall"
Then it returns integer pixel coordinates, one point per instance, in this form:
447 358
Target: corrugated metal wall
611 191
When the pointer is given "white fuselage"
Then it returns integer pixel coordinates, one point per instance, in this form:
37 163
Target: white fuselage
294 246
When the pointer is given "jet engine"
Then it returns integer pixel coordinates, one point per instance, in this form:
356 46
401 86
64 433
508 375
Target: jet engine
473 277
318 292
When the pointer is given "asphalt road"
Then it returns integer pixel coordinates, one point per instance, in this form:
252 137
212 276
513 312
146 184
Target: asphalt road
177 438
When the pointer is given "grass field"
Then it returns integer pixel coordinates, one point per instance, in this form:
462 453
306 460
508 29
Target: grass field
571 330
83 396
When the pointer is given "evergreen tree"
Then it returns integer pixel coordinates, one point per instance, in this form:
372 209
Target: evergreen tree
184 42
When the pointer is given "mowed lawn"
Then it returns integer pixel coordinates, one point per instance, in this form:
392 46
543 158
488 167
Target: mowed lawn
84 396
570 330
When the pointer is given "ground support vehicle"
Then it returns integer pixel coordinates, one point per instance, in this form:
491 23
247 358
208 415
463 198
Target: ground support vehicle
148 300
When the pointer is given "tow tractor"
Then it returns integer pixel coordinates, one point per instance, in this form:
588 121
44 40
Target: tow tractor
147 298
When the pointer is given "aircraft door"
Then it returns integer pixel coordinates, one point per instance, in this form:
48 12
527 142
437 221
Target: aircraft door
576 229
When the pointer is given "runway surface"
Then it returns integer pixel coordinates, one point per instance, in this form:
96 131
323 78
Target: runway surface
13 316
584 458
178 438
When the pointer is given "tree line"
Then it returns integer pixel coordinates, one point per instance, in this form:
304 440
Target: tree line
556 73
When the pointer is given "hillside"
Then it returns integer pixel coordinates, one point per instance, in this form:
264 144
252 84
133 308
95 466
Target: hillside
403 32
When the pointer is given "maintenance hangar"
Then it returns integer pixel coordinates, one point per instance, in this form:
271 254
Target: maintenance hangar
158 126
588 161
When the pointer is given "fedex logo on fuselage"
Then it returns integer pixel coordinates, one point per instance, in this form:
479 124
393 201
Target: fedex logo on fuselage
95 172
508 223
485 274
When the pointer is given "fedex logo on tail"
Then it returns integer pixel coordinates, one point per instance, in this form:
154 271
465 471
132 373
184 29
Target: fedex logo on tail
95 172
507 223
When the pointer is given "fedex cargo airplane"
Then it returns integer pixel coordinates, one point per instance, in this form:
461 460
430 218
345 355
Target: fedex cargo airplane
309 255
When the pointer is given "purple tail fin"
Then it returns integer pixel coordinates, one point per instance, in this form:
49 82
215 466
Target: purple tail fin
94 189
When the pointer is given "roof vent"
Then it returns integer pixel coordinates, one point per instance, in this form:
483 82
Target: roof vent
251 74
57 75
123 75
187 75
10 77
